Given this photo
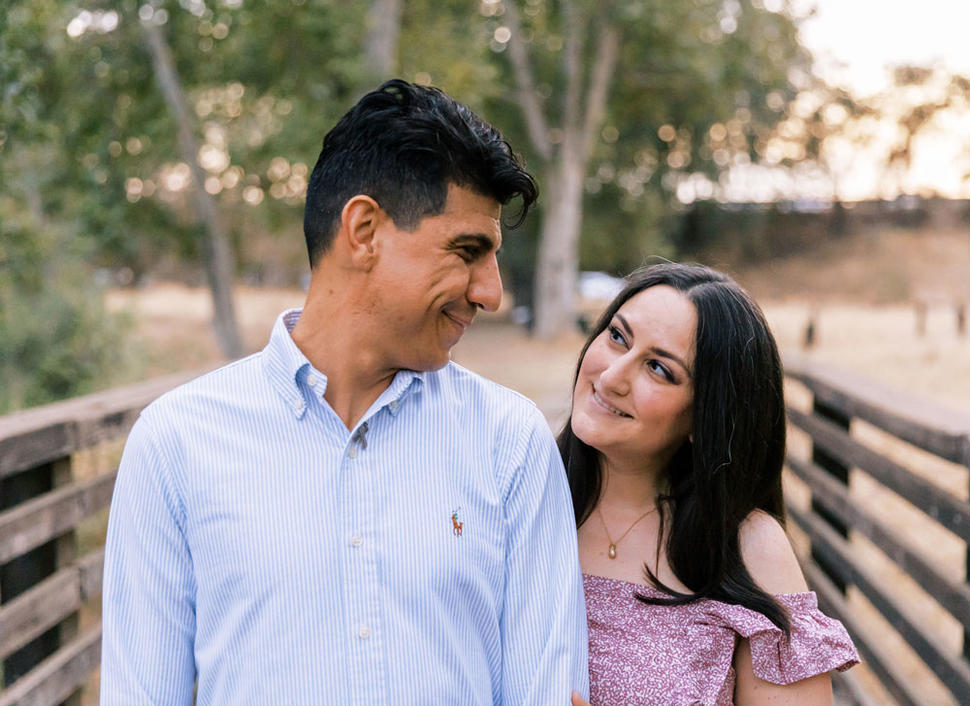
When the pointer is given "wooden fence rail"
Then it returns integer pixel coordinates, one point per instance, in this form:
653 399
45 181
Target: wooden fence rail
837 518
47 655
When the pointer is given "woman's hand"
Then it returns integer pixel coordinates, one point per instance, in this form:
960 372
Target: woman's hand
578 700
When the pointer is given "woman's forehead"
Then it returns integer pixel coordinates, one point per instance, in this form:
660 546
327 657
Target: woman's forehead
662 316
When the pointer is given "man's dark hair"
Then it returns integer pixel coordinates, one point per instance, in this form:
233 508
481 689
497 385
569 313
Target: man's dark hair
402 145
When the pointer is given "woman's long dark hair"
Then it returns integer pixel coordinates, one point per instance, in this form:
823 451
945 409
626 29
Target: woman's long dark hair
732 466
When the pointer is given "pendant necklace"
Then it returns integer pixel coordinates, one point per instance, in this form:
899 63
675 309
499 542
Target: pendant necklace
612 550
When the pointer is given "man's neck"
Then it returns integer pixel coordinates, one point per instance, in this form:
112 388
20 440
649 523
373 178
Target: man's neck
329 334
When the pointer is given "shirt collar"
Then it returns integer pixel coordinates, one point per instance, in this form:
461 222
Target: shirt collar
283 362
286 366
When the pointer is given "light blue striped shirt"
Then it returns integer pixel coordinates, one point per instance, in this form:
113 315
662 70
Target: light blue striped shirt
257 544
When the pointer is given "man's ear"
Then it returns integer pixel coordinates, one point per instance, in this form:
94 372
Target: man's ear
359 220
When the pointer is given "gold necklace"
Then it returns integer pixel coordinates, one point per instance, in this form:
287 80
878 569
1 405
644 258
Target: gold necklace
612 550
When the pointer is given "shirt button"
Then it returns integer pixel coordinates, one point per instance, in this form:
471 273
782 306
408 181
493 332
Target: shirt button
356 540
394 405
311 380
298 405
352 452
364 632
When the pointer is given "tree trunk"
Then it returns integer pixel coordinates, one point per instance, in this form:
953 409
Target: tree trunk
557 264
558 259
383 29
217 256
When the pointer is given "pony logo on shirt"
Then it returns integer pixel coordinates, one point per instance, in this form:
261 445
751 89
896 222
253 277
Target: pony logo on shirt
455 524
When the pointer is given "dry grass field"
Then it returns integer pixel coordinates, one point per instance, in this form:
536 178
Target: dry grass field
861 297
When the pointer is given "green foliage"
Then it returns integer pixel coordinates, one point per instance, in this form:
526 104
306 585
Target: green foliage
88 153
56 339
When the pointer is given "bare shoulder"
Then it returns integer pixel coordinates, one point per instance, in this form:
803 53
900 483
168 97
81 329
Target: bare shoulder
768 555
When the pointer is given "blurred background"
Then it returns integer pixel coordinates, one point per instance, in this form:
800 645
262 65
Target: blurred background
154 157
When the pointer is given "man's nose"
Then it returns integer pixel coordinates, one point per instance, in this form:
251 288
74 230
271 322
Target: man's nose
485 286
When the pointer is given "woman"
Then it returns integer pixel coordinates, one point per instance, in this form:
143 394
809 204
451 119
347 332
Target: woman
674 451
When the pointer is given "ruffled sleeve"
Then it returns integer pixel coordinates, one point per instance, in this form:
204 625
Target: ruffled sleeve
818 644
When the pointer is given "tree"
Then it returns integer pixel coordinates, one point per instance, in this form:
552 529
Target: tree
56 339
217 259
664 93
917 98
565 154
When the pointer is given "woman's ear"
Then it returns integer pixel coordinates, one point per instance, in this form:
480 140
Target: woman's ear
358 226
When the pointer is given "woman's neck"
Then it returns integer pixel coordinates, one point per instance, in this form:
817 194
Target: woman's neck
629 488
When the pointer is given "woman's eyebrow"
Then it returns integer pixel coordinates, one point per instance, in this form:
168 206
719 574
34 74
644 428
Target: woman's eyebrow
667 354
625 325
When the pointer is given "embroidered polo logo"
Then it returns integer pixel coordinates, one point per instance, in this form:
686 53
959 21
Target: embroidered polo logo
455 524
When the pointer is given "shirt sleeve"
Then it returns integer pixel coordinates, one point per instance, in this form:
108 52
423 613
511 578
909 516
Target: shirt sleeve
543 625
818 643
149 590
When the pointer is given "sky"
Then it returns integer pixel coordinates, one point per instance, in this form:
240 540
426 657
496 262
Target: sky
866 36
856 42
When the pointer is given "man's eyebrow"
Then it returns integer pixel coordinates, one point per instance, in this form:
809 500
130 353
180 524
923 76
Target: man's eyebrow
654 349
479 239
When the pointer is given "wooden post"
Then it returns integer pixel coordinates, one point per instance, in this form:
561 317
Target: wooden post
811 330
825 461
66 553
29 569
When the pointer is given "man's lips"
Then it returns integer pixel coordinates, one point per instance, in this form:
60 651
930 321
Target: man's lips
606 406
463 321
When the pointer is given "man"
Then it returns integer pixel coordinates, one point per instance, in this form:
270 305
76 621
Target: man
346 517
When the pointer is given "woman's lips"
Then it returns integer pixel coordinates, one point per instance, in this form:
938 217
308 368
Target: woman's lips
600 402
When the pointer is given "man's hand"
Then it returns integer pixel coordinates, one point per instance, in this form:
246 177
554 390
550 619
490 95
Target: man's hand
578 700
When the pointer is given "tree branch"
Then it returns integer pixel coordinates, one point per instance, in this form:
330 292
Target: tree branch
535 120
572 65
607 49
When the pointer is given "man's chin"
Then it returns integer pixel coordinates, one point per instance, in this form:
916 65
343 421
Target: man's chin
430 364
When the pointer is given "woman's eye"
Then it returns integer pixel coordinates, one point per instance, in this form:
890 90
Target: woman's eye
615 335
659 368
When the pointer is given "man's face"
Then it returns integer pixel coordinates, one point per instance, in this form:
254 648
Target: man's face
430 282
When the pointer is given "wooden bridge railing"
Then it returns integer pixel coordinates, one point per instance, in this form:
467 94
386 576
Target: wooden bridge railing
47 653
839 518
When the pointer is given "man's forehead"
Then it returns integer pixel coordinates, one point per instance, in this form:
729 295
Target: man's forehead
466 201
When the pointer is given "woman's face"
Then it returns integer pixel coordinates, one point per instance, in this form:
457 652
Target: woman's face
635 388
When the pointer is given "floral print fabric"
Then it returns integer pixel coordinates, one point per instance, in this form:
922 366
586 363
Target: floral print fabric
645 654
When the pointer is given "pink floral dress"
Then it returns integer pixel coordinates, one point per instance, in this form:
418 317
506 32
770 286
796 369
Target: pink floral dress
682 655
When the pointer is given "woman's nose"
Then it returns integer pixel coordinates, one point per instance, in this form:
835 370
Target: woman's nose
615 376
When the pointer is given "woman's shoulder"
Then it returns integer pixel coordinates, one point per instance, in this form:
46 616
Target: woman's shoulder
768 555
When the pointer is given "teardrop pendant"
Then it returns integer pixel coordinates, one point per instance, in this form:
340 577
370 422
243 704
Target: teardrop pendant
612 551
